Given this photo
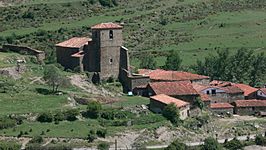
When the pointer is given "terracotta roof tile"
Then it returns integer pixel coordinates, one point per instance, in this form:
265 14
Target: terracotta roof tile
75 42
173 88
108 25
227 89
204 97
221 106
250 103
164 75
167 100
246 88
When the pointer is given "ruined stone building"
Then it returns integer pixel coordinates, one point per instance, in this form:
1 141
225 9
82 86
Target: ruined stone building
102 54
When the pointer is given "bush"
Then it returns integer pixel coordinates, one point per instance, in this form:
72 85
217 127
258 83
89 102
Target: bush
45 117
108 3
59 116
211 144
103 146
91 136
36 139
71 115
176 145
260 140
93 110
101 133
171 113
233 144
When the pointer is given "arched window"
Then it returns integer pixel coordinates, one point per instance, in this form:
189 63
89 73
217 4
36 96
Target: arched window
111 34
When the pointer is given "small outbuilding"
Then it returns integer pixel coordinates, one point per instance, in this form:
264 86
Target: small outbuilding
158 103
249 107
222 108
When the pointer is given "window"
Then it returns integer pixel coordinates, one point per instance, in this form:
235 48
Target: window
213 91
111 34
110 60
208 92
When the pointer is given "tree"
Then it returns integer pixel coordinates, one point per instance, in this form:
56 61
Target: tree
71 115
93 110
258 71
173 61
211 144
199 103
171 112
233 144
53 77
176 145
45 117
147 62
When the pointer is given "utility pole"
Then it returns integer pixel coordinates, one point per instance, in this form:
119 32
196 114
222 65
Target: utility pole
115 144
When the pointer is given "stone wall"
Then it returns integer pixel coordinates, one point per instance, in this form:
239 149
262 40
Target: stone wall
26 50
64 57
248 110
223 111
225 97
202 81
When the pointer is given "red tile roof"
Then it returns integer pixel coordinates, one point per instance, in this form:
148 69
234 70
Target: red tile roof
250 103
227 89
263 90
75 42
108 25
204 97
173 88
167 100
246 88
164 75
221 106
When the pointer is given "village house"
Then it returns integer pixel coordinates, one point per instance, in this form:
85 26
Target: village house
261 94
160 75
225 93
249 92
103 55
249 107
222 108
180 89
158 103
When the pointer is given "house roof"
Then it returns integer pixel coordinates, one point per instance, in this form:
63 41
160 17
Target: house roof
75 42
167 100
173 88
250 103
263 90
230 89
204 97
164 75
221 106
108 25
246 88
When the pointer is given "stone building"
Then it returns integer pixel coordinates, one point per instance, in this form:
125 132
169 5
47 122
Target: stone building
180 89
220 94
249 107
249 92
102 55
158 103
222 108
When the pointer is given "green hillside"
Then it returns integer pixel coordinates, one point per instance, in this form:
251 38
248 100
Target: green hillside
193 27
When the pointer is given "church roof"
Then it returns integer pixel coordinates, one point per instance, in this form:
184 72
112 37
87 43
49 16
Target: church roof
75 42
108 25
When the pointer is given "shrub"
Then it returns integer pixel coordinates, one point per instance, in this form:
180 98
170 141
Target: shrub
59 116
176 145
233 144
91 136
172 113
103 146
71 115
101 133
7 123
93 110
45 117
260 140
211 144
36 139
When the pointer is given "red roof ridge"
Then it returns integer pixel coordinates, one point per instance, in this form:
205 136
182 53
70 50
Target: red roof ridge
220 105
75 42
108 25
246 88
168 100
250 103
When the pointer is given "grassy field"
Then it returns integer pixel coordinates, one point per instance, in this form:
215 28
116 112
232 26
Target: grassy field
195 28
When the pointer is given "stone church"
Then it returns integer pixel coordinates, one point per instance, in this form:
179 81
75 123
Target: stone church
102 54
